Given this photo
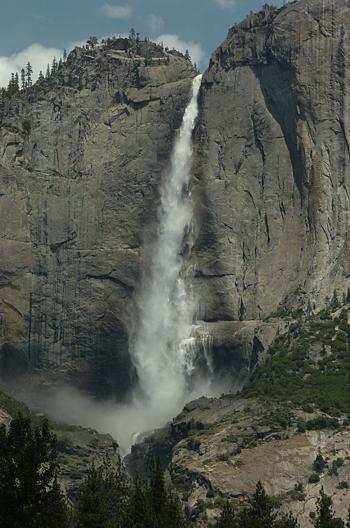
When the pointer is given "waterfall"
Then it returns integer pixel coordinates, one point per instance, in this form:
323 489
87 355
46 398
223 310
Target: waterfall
162 351
161 347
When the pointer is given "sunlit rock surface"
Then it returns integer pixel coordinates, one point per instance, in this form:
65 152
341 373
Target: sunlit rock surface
272 169
81 158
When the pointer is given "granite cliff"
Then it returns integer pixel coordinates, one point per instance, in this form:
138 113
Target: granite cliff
271 177
82 155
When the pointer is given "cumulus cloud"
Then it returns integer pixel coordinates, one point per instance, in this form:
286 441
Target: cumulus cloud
38 55
116 12
173 41
226 4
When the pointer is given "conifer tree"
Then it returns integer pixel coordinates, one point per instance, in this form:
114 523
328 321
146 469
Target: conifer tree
261 512
16 86
30 496
139 511
228 517
41 76
23 79
48 72
92 42
103 500
54 66
29 73
287 521
64 55
325 512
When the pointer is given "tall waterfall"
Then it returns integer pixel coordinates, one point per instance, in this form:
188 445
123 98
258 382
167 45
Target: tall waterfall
161 351
161 347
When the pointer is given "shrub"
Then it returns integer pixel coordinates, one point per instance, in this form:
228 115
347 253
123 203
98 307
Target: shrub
314 478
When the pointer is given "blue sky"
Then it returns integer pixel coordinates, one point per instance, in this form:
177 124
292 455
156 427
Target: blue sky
58 24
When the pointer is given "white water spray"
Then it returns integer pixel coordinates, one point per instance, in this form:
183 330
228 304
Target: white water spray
161 348
161 352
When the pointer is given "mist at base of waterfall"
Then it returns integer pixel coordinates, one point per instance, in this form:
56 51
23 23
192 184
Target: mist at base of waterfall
125 422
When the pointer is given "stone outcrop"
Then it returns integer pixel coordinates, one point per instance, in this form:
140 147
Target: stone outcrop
272 168
81 159
219 448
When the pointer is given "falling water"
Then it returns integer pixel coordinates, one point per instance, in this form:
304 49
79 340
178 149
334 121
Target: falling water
161 353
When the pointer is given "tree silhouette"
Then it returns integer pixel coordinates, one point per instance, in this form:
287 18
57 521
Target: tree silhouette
30 496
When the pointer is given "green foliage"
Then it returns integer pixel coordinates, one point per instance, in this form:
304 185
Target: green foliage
293 372
314 478
29 492
228 517
108 500
319 463
261 512
325 513
103 498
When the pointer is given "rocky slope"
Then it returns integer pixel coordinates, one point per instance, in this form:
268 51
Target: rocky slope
289 428
272 168
81 158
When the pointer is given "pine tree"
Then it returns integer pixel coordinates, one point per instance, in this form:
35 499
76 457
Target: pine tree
64 55
286 521
187 55
164 503
228 517
325 511
13 85
54 66
103 500
139 510
29 493
29 73
92 42
23 79
261 511
16 85
48 72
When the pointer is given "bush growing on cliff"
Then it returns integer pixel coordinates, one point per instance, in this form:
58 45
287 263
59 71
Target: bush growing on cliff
30 495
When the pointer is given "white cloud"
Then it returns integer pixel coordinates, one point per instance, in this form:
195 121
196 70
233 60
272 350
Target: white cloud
116 12
226 4
155 23
38 55
173 41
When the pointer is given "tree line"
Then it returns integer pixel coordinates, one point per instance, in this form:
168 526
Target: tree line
31 497
20 82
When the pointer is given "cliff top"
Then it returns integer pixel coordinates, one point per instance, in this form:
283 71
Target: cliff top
96 62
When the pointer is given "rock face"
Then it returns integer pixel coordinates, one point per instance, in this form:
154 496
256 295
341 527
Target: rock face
81 158
220 448
272 164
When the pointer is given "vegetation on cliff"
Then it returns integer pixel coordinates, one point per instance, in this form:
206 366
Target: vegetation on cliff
310 365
